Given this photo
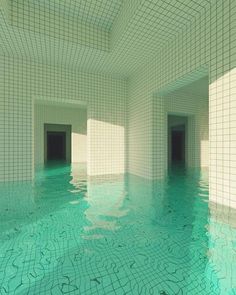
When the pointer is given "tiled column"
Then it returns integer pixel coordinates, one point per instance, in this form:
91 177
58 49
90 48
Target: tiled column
17 140
16 130
222 105
159 143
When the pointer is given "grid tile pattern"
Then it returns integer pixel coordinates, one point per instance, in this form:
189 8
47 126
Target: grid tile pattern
222 102
60 114
147 26
100 13
195 107
154 43
208 41
47 22
153 145
102 236
23 83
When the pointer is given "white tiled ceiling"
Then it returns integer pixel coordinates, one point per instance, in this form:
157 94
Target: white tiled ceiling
78 34
101 13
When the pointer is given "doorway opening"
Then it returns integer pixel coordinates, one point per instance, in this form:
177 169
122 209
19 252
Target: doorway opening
56 146
57 143
177 139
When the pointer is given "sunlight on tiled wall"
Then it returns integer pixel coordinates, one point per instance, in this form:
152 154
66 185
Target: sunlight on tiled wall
106 148
223 139
137 49
54 114
79 145
208 41
204 153
25 81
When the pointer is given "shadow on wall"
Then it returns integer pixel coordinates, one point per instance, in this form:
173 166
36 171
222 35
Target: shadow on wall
99 142
191 100
56 116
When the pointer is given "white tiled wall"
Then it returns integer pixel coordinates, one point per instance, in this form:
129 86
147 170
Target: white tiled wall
210 41
152 146
140 139
24 82
156 44
16 125
195 107
53 114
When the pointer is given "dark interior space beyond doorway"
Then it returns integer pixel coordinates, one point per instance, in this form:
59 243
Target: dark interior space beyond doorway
178 145
177 137
56 145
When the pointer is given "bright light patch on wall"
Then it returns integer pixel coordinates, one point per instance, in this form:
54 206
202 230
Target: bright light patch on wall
79 147
204 156
106 148
223 138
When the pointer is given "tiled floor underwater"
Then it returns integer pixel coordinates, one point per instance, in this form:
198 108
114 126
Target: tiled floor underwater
114 235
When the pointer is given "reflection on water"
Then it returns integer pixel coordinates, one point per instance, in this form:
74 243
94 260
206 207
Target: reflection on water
222 246
69 234
105 197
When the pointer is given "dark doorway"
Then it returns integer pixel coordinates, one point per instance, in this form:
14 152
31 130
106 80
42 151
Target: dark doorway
56 145
57 142
178 145
177 133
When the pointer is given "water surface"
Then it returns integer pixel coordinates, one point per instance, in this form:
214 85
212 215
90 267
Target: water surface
67 234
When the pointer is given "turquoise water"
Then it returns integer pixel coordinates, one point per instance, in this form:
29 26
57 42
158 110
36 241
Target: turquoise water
67 234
